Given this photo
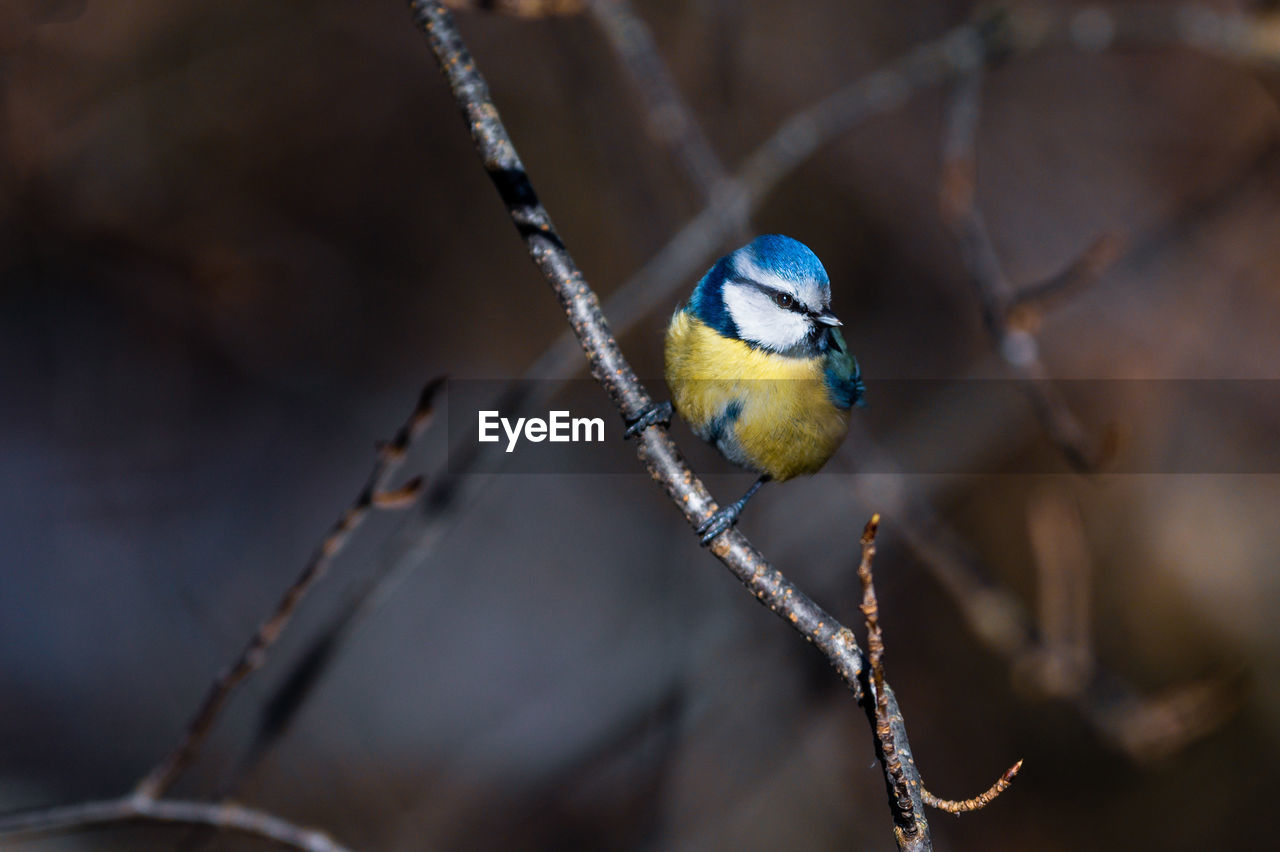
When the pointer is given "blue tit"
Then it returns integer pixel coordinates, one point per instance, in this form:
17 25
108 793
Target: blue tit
758 368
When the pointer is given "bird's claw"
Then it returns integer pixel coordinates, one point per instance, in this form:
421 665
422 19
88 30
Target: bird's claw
720 521
659 412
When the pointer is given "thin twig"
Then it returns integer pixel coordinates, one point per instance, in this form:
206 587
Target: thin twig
374 495
977 802
134 808
610 368
1026 304
668 117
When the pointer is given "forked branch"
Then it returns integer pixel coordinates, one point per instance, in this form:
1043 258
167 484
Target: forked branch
883 718
376 494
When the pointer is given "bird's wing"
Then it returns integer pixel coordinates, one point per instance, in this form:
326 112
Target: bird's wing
844 379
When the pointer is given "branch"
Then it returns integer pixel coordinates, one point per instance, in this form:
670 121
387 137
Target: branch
884 720
609 367
668 117
1010 317
135 808
1018 347
374 495
1063 567
1025 305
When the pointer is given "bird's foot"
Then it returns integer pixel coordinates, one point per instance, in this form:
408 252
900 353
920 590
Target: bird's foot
720 521
659 412
723 519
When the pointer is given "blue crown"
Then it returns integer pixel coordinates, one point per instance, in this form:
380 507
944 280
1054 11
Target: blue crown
786 258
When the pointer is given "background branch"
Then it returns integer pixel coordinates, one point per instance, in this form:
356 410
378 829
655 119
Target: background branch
668 118
374 495
145 803
225 817
1018 347
1002 623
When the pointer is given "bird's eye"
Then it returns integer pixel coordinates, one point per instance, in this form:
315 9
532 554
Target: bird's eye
783 300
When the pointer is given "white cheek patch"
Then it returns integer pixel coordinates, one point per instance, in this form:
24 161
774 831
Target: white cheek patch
762 322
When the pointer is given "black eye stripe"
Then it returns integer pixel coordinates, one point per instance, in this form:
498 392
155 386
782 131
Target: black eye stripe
773 293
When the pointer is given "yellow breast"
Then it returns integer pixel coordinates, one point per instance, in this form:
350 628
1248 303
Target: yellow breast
766 412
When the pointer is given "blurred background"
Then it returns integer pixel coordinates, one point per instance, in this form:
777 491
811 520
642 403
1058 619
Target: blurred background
239 237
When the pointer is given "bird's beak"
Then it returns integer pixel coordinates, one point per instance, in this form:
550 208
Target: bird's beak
827 318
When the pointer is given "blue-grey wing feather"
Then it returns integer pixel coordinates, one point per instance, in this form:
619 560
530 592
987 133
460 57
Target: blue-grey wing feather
844 378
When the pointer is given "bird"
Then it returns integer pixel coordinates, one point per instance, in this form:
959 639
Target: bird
758 368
